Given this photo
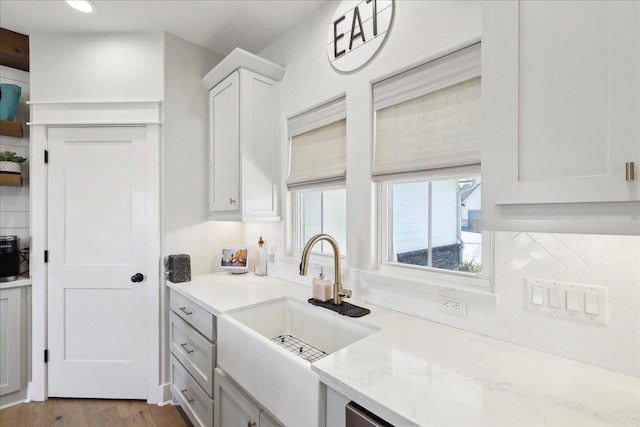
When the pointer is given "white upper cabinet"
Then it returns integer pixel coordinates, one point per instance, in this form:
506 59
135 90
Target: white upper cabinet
561 116
244 134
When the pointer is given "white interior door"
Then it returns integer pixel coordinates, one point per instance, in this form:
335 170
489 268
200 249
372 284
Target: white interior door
97 242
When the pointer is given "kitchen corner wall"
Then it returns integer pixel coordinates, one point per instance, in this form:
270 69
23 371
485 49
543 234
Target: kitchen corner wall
185 159
423 30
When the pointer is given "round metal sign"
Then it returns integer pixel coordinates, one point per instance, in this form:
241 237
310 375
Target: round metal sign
357 32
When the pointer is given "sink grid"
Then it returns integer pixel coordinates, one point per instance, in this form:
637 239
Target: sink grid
298 347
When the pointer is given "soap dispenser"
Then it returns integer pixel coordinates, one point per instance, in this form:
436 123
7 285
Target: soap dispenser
322 288
260 259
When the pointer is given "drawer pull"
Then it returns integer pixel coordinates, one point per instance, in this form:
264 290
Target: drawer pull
185 311
184 392
630 171
184 345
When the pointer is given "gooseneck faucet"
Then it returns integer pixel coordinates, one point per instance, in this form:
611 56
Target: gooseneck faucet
338 292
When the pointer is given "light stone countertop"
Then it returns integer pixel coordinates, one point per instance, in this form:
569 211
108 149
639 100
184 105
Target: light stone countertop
417 372
22 281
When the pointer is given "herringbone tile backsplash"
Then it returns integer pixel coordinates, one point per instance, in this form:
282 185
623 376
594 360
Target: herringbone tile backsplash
611 261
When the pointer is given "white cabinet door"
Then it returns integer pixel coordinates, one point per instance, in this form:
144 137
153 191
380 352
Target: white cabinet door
11 328
267 421
259 136
232 406
224 155
98 239
561 88
244 148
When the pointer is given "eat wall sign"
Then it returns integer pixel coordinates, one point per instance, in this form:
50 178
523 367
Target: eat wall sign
357 32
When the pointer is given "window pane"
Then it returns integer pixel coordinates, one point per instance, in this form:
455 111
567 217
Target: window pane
456 203
311 215
410 223
470 208
323 211
334 219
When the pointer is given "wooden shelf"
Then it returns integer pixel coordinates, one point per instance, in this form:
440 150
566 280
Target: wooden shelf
11 179
11 129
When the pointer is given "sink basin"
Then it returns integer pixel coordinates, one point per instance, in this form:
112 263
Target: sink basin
277 377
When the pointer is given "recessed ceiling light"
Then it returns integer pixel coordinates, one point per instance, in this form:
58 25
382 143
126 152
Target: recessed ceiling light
85 6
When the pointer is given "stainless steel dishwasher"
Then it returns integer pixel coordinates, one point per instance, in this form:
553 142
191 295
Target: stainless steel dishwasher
357 416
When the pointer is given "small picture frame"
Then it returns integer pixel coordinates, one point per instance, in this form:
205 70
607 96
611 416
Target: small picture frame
234 260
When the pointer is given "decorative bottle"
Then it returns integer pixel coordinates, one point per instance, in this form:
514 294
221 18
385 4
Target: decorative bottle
260 259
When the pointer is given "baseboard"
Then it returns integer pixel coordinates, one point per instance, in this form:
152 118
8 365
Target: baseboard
166 394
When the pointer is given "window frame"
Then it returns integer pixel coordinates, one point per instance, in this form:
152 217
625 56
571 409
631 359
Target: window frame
482 279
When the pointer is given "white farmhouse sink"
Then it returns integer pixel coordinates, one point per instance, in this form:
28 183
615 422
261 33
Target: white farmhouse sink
279 379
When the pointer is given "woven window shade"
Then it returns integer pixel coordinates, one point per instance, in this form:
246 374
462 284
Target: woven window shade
319 156
429 117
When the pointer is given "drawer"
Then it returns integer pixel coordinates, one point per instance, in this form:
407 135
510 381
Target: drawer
193 314
194 401
196 353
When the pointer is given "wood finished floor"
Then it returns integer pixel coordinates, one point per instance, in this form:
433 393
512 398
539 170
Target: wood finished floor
92 413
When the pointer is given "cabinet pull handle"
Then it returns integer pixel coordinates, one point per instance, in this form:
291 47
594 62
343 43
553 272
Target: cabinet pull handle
251 424
232 201
184 345
630 171
185 311
184 392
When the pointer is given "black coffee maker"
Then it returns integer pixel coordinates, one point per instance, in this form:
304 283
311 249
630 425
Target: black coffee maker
9 258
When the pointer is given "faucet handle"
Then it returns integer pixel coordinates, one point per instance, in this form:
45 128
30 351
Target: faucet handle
345 293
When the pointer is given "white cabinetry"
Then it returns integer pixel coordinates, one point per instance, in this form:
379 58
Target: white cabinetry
561 115
12 329
244 134
193 358
235 408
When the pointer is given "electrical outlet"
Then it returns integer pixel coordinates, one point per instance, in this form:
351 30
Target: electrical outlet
451 305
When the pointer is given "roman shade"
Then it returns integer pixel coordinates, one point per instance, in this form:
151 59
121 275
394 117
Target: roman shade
318 143
428 118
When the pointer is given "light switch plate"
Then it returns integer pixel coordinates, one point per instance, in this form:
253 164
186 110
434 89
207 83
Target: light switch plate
577 301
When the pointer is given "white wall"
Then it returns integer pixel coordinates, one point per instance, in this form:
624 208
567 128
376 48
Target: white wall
97 67
421 31
15 201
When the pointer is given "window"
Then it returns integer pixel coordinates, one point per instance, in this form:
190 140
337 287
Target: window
430 223
321 211
427 161
317 174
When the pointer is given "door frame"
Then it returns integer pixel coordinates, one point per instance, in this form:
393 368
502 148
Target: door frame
45 115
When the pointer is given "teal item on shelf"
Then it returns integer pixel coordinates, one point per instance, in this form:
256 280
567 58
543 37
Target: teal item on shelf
9 98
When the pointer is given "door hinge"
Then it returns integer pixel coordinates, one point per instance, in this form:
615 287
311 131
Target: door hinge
46 156
46 356
46 256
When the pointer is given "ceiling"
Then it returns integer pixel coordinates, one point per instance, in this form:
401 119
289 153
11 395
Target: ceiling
219 25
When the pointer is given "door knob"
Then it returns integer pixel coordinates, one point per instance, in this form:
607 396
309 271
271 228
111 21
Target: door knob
138 277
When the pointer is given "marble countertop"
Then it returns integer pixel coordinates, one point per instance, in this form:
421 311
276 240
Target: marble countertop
22 281
416 372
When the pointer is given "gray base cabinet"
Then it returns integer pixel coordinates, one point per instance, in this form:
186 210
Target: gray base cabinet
192 334
233 407
12 329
